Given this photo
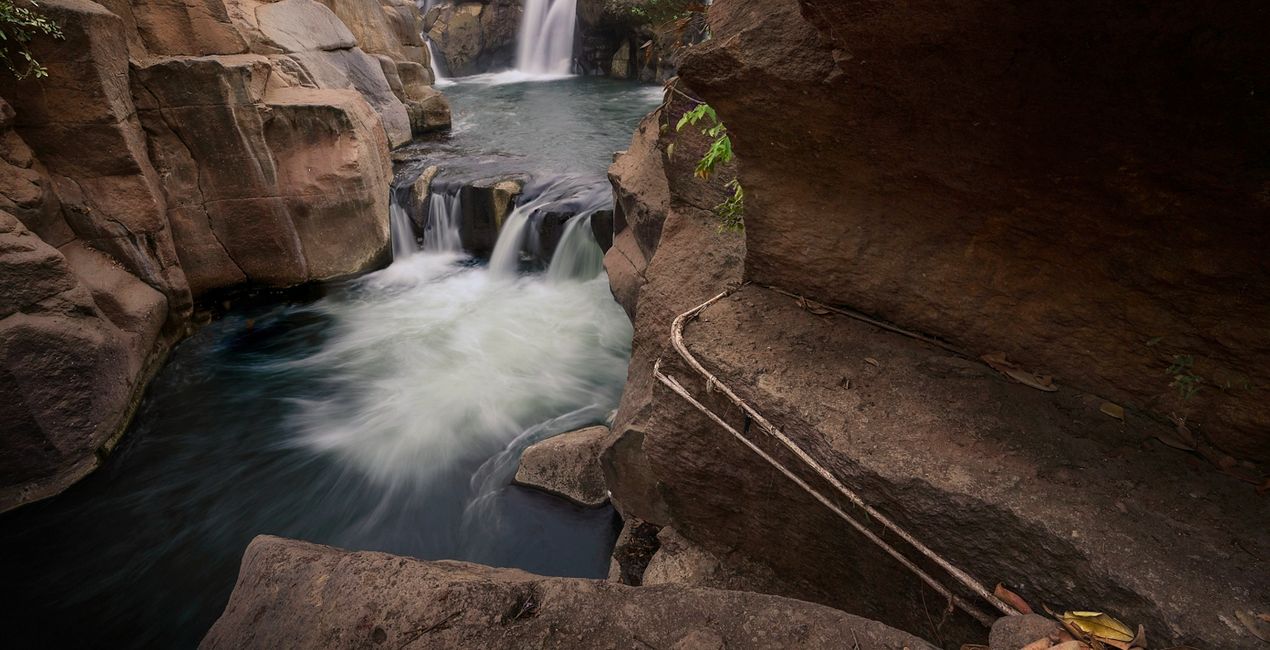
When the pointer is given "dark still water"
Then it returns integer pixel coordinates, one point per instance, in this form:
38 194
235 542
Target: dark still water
388 415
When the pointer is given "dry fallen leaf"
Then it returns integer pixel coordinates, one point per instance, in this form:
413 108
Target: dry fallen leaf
871 361
1099 625
1012 599
1114 410
1039 644
1002 365
1258 624
813 307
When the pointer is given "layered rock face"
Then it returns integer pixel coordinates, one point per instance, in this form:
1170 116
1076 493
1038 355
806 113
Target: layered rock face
294 594
972 173
475 37
172 151
1080 187
635 39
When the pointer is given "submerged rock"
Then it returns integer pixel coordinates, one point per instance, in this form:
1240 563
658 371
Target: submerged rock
567 465
299 595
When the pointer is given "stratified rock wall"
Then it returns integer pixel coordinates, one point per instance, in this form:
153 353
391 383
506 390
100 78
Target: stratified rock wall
474 37
1082 186
177 149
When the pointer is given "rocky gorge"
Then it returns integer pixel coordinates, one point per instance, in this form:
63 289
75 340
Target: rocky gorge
984 352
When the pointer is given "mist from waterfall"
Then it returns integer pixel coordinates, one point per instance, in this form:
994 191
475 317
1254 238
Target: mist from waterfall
545 44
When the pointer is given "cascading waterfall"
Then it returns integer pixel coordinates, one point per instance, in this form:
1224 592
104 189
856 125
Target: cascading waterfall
445 215
546 37
402 231
505 260
578 256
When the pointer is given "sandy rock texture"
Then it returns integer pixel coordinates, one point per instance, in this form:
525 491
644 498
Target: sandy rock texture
301 595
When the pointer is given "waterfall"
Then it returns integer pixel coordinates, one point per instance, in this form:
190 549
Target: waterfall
445 216
505 260
546 37
402 231
578 256
438 79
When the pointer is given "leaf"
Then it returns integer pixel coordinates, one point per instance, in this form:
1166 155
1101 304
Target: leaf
1114 410
873 362
1257 624
1002 365
1099 625
1014 600
813 307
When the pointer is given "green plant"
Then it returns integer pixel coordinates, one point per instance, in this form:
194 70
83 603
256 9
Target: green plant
1184 380
655 12
18 26
732 210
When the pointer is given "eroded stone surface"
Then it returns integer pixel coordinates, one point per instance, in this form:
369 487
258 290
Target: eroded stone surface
567 465
295 594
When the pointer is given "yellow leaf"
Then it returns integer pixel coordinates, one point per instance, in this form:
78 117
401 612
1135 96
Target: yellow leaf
1099 625
1114 410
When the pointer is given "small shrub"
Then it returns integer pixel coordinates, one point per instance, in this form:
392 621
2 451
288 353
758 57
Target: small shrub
18 27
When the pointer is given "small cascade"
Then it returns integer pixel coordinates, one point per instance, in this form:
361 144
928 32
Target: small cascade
578 256
505 260
445 217
438 78
546 37
401 230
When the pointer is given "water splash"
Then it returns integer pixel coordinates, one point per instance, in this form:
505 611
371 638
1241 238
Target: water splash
546 37
453 361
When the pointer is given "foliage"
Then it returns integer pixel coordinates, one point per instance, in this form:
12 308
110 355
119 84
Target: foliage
732 210
1184 381
18 26
656 12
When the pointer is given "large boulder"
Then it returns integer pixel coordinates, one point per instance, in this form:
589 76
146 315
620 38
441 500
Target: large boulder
302 25
70 372
1080 185
264 207
300 595
567 465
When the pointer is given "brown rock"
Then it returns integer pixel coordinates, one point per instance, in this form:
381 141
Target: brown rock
355 70
1014 632
669 215
1061 184
68 375
82 125
567 465
295 594
475 37
302 25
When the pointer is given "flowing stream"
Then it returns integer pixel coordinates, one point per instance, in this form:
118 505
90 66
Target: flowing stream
384 413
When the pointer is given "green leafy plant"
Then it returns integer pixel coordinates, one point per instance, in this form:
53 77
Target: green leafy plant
1184 380
18 27
731 211
654 12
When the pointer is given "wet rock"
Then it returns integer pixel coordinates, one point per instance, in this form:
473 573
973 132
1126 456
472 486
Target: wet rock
296 594
1014 632
474 37
679 560
567 465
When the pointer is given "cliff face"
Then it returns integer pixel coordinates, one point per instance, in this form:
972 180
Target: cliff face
1081 187
177 149
1080 190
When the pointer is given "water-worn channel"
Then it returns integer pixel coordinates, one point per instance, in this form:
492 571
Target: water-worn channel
387 414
